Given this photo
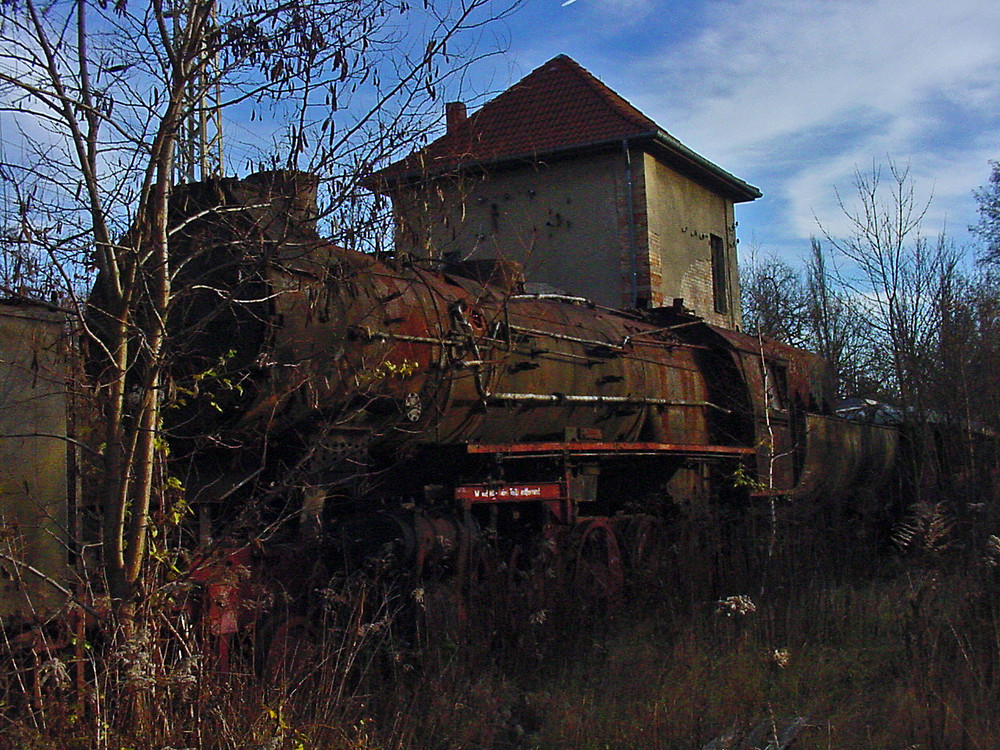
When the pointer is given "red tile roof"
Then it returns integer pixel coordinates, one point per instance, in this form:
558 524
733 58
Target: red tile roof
557 107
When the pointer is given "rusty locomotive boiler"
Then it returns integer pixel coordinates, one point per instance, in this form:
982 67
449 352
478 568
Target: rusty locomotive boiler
418 405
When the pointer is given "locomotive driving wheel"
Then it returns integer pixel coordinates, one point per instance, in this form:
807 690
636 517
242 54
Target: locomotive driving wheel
642 542
598 576
528 568
290 646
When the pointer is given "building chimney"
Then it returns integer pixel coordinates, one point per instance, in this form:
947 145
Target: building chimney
454 115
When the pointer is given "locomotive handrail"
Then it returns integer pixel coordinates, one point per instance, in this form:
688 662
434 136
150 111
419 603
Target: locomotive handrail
448 340
558 398
665 329
380 336
560 297
622 347
566 337
598 447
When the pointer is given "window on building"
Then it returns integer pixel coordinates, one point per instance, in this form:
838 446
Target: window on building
720 275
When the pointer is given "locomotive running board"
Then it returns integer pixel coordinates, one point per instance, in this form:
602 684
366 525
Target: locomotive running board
604 449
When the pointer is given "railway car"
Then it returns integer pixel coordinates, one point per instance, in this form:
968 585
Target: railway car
37 480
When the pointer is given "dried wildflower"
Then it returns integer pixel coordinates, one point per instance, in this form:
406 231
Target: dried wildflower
781 657
333 597
740 604
373 628
54 672
993 551
538 617
136 655
185 674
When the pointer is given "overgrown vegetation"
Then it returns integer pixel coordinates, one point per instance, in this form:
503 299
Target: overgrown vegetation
114 104
869 644
902 652
850 644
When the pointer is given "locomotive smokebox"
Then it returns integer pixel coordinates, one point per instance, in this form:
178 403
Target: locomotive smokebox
279 203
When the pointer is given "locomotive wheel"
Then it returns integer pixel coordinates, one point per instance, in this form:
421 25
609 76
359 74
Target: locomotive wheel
642 544
598 577
290 647
530 571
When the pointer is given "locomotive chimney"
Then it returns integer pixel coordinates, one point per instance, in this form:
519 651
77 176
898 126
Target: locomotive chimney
291 195
454 115
279 202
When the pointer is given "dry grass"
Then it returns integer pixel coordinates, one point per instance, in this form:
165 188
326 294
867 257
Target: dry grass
872 648
905 654
357 676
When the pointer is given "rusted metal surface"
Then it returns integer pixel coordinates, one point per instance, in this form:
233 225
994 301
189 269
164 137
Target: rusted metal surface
598 448
406 355
415 355
845 458
783 385
808 378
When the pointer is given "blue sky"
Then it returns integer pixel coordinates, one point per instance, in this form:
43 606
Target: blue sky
794 95
790 95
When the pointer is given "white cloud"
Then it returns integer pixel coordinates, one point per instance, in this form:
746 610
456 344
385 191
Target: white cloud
626 11
802 92
786 65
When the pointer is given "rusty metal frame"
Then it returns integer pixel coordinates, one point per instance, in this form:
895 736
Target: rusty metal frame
608 448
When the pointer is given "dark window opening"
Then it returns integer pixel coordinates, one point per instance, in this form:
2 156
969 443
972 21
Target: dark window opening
720 275
776 385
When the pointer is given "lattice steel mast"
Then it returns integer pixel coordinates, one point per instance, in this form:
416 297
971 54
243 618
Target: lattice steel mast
199 146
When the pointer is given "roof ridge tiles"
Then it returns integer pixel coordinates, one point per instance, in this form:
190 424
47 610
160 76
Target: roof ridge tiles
616 100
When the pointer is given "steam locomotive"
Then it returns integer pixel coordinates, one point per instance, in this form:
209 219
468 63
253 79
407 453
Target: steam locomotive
368 406
420 404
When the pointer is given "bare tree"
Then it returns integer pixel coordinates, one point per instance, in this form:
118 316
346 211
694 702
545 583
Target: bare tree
967 380
103 96
774 301
835 328
902 286
809 309
988 227
895 276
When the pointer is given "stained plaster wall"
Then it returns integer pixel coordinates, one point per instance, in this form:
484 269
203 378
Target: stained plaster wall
33 466
682 215
567 222
563 220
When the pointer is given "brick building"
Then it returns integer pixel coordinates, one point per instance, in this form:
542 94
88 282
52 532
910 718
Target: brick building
564 176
